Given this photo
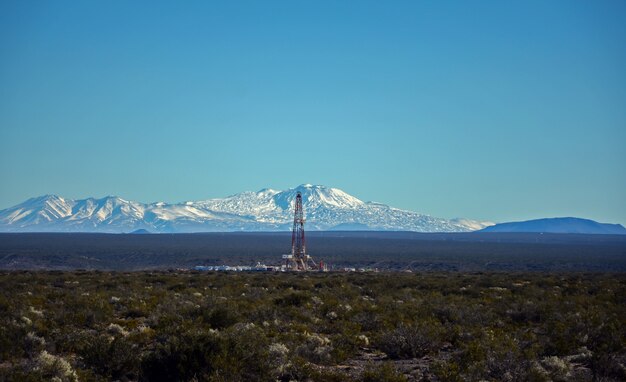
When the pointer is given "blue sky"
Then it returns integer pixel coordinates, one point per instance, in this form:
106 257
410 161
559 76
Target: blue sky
494 110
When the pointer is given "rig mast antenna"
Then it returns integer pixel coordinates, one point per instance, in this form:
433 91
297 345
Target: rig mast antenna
299 260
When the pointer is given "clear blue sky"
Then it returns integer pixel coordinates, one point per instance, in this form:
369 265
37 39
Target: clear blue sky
499 110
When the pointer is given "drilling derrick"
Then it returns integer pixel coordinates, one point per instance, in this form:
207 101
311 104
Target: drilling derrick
299 260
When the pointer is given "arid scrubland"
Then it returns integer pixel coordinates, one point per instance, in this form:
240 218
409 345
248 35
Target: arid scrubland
182 326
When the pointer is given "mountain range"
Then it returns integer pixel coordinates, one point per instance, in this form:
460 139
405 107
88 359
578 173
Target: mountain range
326 208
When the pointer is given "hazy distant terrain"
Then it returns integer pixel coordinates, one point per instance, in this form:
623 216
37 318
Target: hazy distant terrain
383 250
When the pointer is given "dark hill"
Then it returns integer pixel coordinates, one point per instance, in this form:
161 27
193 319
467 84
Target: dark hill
559 225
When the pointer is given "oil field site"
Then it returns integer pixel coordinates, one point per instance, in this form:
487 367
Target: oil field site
369 306
313 191
315 251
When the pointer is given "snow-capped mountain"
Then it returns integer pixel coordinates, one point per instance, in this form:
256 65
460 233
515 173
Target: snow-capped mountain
325 208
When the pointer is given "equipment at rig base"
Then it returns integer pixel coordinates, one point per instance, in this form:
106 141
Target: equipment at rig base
299 260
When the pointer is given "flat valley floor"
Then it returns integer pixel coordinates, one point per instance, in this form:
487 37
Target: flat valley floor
386 251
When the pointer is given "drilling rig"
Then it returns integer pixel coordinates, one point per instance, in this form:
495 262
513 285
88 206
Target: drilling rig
299 260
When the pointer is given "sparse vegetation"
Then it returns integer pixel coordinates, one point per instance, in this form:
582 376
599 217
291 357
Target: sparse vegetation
185 326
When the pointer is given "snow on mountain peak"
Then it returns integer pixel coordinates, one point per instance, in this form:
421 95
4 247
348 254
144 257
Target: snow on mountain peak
317 196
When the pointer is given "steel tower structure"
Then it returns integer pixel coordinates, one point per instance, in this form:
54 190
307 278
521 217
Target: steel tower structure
299 260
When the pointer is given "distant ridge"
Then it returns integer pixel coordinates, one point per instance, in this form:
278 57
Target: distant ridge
140 231
559 225
325 208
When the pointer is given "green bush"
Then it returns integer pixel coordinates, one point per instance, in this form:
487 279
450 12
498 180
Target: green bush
412 341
